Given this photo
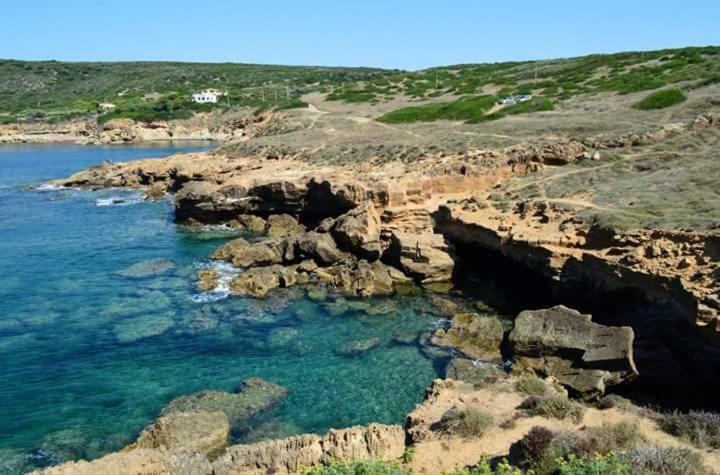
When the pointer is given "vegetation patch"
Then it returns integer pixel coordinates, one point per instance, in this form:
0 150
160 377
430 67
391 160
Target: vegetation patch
651 459
661 99
466 423
701 428
531 385
556 407
373 467
466 109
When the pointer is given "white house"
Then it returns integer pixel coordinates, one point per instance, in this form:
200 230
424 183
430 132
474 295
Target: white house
207 96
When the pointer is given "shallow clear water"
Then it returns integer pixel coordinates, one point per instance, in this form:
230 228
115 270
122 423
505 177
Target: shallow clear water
79 375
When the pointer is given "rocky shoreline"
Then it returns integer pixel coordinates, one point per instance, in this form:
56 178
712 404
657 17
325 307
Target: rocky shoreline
363 230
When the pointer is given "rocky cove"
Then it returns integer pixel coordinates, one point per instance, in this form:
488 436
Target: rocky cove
345 235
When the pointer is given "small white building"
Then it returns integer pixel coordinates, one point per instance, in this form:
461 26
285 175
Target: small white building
207 96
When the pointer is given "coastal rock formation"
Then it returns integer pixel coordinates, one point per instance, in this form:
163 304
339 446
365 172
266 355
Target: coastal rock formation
358 231
357 347
474 336
145 269
137 462
567 345
253 397
195 431
259 281
286 456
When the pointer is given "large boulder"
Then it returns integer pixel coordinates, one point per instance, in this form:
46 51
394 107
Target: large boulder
259 281
313 245
358 231
194 431
282 225
474 336
424 256
293 454
563 343
361 278
254 397
245 254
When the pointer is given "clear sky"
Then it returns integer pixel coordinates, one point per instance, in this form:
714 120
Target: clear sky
393 34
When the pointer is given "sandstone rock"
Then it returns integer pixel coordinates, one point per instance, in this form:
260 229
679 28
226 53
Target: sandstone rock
137 462
357 347
208 279
473 372
155 192
291 455
358 231
194 431
259 281
313 245
565 344
472 335
250 223
425 257
360 278
282 225
254 396
244 254
145 269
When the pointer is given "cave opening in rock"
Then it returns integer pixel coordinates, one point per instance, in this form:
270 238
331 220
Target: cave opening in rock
678 366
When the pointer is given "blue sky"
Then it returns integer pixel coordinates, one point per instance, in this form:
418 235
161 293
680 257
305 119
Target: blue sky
393 34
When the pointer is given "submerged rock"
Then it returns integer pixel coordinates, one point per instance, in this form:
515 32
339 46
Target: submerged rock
137 328
254 397
565 344
472 335
193 431
291 455
357 347
144 269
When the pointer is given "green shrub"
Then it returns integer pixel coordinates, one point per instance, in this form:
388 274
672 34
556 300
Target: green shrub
466 109
484 468
597 465
531 385
557 407
373 467
701 428
467 423
651 459
661 99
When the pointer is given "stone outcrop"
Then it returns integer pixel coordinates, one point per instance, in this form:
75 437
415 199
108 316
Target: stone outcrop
195 431
565 344
259 281
358 231
285 456
426 256
137 462
253 397
474 336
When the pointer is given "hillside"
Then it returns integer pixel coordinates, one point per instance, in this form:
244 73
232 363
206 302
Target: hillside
52 90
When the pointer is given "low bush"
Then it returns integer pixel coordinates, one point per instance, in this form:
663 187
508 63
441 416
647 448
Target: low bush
599 464
373 467
485 468
661 99
701 428
557 407
466 108
651 459
467 423
531 385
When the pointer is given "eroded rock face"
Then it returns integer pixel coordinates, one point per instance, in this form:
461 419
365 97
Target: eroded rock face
565 344
259 281
137 462
282 225
474 336
193 431
358 231
254 396
284 456
424 256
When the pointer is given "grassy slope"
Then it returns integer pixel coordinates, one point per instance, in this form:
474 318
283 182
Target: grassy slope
66 89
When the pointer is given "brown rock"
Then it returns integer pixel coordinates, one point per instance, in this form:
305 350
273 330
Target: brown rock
208 279
282 225
194 431
472 335
259 281
425 257
291 455
565 344
137 462
358 231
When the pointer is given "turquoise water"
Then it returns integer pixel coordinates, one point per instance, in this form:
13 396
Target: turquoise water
78 379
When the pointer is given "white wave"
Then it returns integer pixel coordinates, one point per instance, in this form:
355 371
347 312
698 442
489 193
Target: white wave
118 201
49 187
222 291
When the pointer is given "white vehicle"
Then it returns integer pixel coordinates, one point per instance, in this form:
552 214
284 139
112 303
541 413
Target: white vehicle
524 98
506 101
